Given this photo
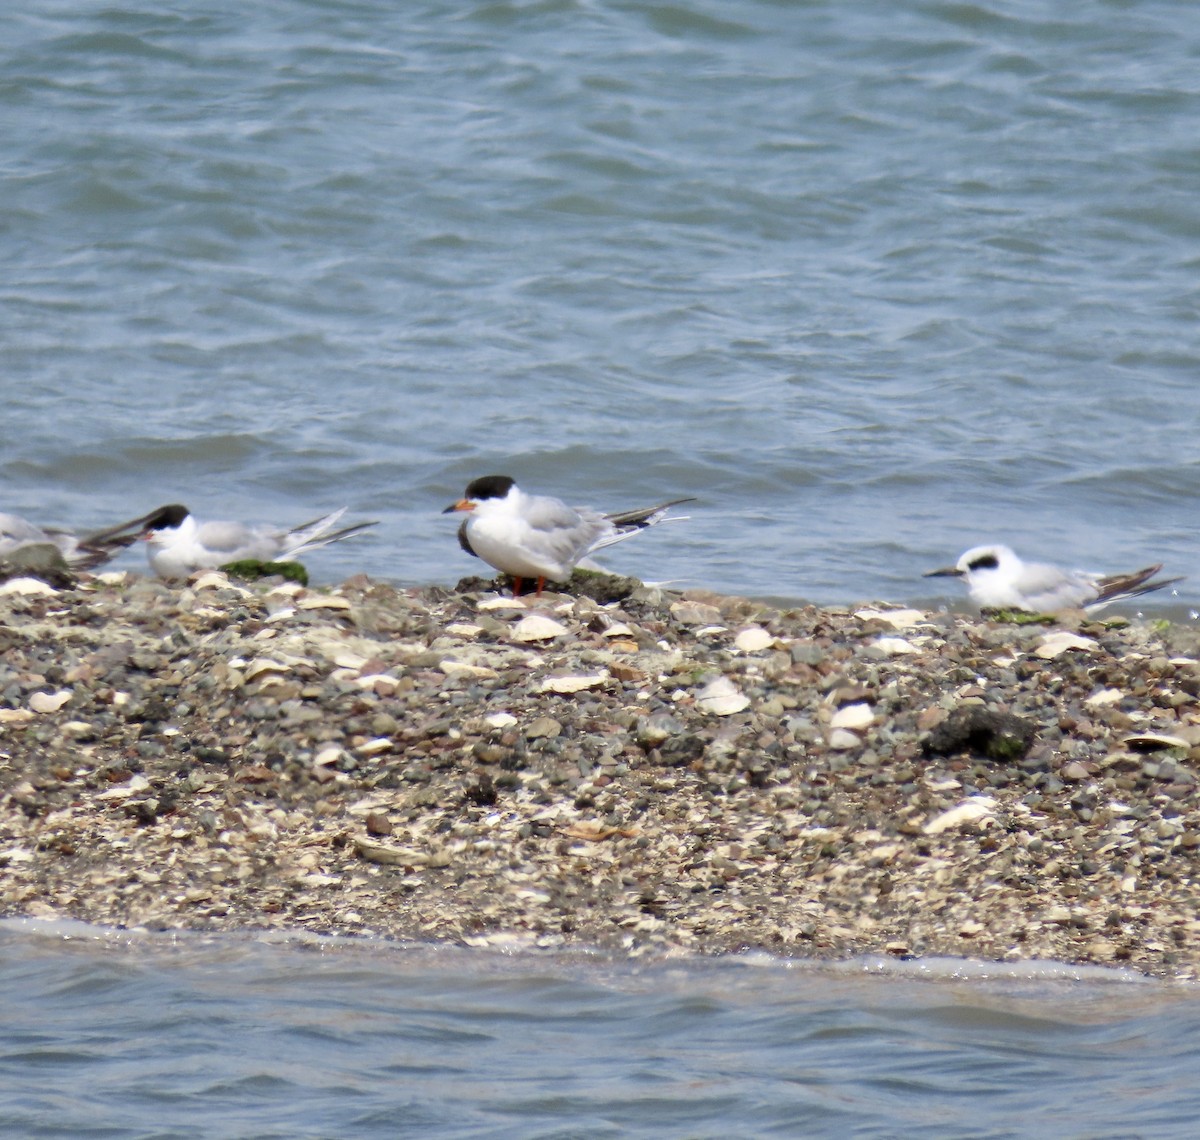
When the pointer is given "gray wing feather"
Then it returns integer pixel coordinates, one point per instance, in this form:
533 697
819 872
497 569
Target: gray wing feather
1048 588
231 539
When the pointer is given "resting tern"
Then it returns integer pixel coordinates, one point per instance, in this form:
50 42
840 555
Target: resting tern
536 536
79 552
998 580
177 543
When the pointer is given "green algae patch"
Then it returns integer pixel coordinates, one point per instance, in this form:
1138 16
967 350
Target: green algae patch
251 569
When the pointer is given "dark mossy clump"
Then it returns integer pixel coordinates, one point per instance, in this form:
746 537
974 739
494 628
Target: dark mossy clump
981 731
598 585
253 569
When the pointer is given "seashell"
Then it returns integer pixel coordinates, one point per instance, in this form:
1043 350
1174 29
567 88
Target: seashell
843 740
323 602
537 627
465 669
28 587
262 665
897 619
973 810
49 702
895 646
374 746
501 603
721 697
852 716
1104 697
568 685
465 630
1154 741
1052 644
500 720
753 640
386 854
112 577
618 629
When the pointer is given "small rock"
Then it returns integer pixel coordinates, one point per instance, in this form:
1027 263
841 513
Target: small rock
545 727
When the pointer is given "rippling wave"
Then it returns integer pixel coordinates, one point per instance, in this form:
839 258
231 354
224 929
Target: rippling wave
872 283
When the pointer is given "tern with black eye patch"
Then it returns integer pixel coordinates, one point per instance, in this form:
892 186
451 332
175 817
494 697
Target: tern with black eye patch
998 579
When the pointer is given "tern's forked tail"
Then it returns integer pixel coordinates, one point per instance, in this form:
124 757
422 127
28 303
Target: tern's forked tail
1116 587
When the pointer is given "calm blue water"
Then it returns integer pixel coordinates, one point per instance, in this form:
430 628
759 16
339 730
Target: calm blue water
873 281
124 1035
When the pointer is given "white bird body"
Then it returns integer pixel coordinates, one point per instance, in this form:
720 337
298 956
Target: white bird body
177 543
538 536
997 579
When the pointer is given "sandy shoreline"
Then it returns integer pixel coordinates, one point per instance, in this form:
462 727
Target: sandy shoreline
657 773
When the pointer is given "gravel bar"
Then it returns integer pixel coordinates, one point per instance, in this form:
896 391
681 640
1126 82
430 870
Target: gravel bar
622 767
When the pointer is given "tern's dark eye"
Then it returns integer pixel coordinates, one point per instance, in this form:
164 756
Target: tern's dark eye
984 562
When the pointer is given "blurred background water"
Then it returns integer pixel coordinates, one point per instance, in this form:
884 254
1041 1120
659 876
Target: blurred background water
873 281
121 1034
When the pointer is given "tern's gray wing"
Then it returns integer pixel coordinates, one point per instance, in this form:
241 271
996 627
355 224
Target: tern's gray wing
1048 588
233 541
564 534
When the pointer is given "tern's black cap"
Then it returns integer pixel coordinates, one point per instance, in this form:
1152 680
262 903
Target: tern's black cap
489 487
166 517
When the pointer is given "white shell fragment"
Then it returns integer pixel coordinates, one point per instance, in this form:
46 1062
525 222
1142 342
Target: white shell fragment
500 720
568 685
721 697
262 665
1105 697
49 702
399 856
858 715
537 627
753 640
323 602
895 646
1060 641
843 740
897 619
1151 741
466 630
973 810
465 669
501 603
27 586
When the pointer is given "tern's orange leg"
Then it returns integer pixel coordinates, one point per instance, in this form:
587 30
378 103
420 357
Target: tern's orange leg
516 587
541 586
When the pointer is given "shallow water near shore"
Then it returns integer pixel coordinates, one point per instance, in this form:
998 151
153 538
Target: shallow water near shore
115 1033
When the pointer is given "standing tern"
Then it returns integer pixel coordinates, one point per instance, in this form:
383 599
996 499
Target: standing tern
536 536
177 543
998 580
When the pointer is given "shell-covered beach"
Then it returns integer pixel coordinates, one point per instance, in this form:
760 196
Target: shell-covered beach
643 770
